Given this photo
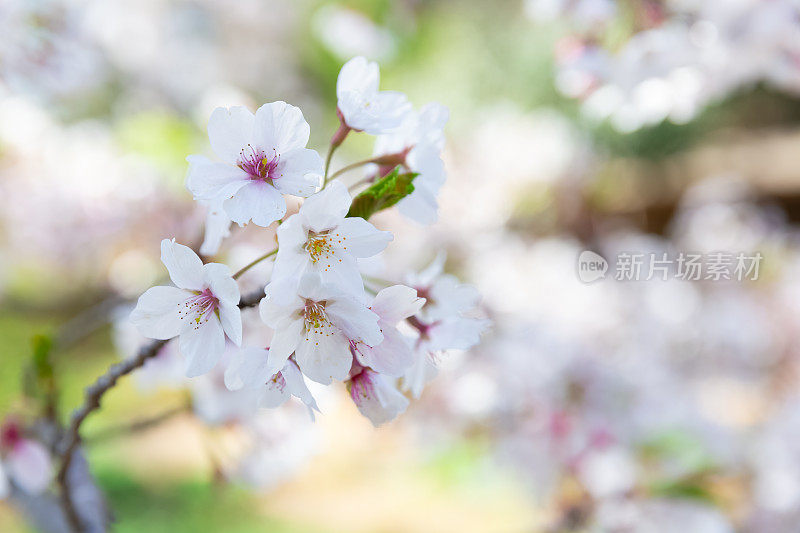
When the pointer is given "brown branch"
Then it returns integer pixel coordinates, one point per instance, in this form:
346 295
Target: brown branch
93 394
142 424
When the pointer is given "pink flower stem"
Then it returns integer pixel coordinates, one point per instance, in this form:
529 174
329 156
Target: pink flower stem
337 139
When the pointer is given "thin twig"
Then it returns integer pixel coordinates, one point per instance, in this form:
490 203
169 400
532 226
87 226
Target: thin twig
92 401
336 141
254 263
352 166
94 393
86 323
139 425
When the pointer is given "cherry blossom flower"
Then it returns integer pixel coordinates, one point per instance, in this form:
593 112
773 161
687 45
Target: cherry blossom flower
443 323
321 239
419 140
24 462
264 156
376 396
362 106
250 369
318 322
202 309
394 355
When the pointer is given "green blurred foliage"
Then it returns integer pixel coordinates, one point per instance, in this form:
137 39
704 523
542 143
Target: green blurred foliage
188 507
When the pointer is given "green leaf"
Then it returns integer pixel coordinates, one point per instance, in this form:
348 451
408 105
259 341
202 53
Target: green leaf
688 489
40 380
42 345
383 194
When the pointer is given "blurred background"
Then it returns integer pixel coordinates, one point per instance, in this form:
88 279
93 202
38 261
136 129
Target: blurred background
638 126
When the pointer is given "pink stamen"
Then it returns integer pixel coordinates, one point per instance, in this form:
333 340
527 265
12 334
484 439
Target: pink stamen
258 165
199 308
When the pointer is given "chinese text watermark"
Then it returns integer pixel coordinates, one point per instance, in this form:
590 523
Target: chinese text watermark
685 266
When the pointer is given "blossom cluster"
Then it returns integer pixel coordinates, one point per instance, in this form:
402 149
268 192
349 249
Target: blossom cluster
326 324
679 57
652 406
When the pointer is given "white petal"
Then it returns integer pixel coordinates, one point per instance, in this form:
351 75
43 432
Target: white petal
281 127
207 180
156 315
420 206
280 305
30 467
389 109
356 320
433 117
258 201
376 398
396 303
275 392
217 229
324 355
327 208
393 357
311 287
303 185
340 271
450 298
230 317
428 274
230 130
300 172
218 278
297 385
421 372
202 346
291 260
457 333
358 75
361 238
184 266
284 342
5 487
426 160
248 368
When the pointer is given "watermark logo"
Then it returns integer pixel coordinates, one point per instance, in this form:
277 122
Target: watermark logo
591 266
685 266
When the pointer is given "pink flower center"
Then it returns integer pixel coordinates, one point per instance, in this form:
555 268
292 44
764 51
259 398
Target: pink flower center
277 381
361 387
258 165
10 435
199 308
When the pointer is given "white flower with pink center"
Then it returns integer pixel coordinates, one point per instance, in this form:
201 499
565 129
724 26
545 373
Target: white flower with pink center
264 157
362 106
317 322
394 355
323 240
201 310
376 396
250 369
24 462
447 321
